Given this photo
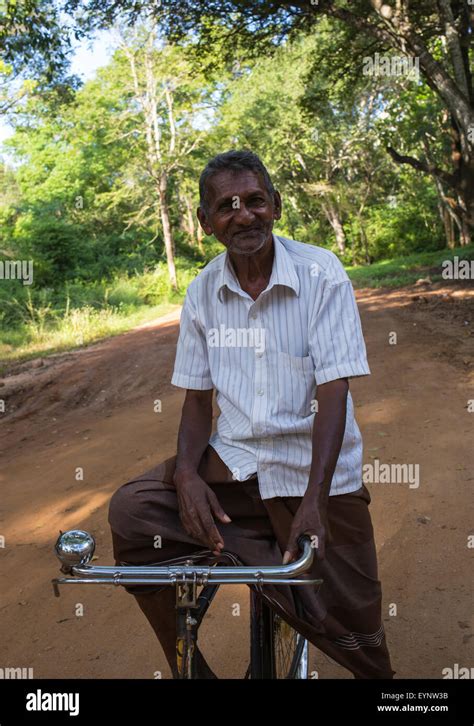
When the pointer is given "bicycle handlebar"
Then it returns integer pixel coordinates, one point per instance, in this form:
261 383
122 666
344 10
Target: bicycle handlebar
78 546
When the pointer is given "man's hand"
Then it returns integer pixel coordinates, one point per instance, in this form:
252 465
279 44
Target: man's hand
198 505
310 519
327 437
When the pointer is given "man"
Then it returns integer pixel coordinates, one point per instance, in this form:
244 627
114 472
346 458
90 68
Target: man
272 325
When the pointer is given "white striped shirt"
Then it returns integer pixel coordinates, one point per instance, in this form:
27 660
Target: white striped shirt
265 358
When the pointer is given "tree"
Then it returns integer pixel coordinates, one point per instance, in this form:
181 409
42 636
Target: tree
409 29
112 162
169 100
437 33
35 49
34 38
327 159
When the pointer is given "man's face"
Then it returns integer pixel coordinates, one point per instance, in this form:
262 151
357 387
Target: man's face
241 212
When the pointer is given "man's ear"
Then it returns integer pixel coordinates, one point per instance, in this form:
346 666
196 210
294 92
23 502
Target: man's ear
277 205
201 215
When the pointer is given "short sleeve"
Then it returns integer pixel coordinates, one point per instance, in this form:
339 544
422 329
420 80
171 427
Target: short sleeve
336 341
191 367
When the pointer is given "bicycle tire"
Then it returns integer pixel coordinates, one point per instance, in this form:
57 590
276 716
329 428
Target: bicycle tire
277 650
289 650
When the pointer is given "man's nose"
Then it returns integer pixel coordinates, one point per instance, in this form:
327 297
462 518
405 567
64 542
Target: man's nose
243 215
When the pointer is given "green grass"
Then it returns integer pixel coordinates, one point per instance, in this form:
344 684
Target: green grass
41 322
401 271
36 323
80 328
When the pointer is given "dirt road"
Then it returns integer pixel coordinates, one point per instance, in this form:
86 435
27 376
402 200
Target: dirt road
94 408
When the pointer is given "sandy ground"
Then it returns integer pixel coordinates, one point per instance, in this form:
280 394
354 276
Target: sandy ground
94 408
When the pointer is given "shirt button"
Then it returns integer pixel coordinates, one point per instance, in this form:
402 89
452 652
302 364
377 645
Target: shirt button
259 355
253 316
260 393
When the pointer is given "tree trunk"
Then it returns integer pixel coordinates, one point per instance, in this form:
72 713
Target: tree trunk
465 190
402 36
447 222
190 220
354 245
465 232
397 32
182 215
446 214
365 243
454 45
167 236
200 237
464 187
334 220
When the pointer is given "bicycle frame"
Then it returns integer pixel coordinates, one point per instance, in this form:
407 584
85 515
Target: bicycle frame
76 548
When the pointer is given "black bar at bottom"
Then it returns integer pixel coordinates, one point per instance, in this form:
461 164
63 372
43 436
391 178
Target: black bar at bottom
138 702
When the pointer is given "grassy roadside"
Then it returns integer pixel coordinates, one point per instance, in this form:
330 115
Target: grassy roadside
41 322
84 327
402 271
93 312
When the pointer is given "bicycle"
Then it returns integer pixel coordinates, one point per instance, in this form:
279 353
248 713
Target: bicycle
276 649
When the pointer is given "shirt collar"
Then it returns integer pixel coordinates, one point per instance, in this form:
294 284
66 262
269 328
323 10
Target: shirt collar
283 271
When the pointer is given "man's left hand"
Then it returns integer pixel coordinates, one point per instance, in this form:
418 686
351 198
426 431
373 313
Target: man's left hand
310 519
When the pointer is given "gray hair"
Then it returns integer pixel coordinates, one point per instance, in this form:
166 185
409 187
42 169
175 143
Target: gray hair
232 161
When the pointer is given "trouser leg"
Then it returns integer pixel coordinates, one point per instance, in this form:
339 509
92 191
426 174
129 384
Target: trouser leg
342 617
146 529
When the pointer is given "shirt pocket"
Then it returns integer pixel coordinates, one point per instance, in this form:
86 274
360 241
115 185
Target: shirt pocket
296 384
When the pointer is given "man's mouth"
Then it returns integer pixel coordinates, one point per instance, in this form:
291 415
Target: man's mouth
247 232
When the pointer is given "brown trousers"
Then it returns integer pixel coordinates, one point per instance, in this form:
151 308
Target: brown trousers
342 617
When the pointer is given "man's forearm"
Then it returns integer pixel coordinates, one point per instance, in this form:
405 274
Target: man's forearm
328 434
194 431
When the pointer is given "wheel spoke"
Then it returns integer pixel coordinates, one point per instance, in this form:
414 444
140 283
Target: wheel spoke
288 649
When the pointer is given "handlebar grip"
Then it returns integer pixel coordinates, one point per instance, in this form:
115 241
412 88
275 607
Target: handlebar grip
302 539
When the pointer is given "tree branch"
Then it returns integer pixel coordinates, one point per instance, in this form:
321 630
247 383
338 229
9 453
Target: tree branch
424 166
406 39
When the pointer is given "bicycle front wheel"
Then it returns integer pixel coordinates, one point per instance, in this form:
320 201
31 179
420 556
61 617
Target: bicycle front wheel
277 650
290 651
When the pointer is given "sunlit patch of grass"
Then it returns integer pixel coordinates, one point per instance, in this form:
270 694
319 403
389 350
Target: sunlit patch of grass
402 271
41 322
80 327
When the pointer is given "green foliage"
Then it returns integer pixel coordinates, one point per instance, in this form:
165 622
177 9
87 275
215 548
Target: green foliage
81 196
406 270
34 320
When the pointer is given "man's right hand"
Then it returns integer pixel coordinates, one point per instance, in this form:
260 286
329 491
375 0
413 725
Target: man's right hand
198 505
